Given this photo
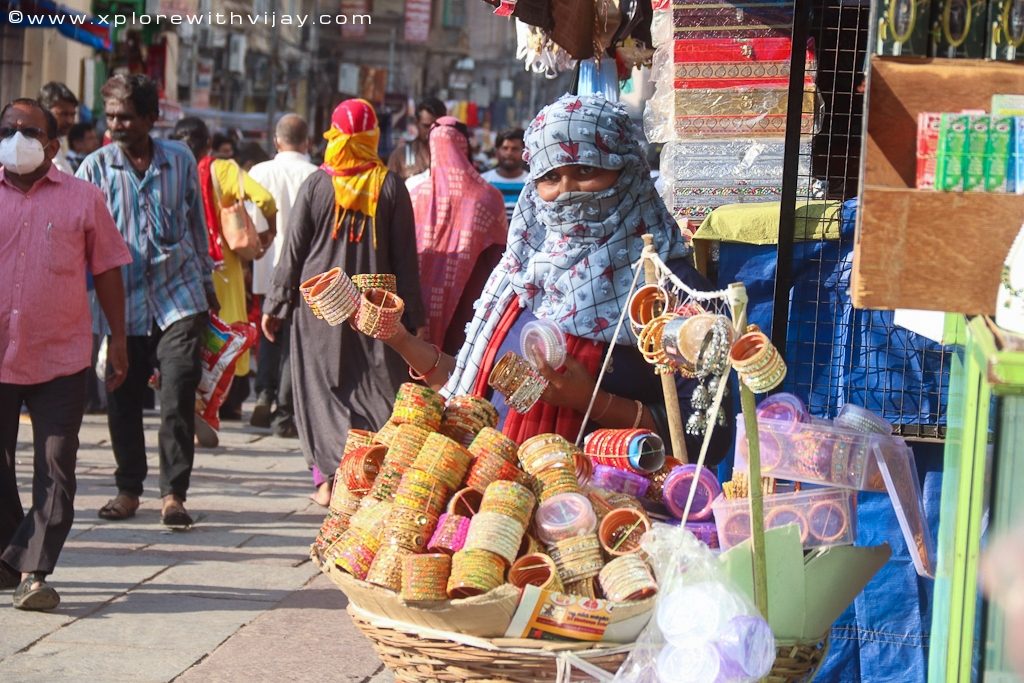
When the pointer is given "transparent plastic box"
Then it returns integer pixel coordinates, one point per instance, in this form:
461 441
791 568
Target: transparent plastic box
816 453
899 469
825 516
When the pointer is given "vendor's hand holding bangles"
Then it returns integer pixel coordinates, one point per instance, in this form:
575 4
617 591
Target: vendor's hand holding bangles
570 388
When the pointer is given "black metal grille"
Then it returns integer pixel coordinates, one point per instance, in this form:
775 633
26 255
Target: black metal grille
837 354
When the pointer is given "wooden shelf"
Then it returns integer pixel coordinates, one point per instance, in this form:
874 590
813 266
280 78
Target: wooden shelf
939 251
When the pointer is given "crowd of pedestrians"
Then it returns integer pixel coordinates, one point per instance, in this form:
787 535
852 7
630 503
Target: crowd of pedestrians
127 226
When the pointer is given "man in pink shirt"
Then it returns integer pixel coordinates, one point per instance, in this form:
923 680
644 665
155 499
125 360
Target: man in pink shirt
53 227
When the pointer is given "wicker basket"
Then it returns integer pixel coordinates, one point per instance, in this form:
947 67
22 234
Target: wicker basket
419 655
416 655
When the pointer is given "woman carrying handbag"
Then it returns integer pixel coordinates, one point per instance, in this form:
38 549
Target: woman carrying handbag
232 238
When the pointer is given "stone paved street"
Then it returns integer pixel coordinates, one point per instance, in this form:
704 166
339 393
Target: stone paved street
234 599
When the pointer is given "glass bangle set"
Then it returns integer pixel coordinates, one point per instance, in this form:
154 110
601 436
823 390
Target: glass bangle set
856 451
677 334
439 505
369 300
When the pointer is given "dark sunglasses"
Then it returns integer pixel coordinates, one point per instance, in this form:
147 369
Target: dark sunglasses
27 131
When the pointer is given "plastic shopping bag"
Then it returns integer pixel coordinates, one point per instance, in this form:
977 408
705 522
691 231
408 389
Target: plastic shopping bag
222 344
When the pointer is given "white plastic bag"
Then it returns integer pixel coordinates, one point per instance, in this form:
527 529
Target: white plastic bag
704 630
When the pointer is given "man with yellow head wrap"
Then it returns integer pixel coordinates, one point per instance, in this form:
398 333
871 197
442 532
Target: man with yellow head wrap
355 214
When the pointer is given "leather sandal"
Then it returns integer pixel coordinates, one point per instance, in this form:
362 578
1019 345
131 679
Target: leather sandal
37 599
122 506
174 515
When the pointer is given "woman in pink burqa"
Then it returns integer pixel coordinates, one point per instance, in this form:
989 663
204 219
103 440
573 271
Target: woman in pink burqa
460 234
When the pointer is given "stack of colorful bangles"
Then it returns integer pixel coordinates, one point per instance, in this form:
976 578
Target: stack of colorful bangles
418 405
465 417
405 446
633 450
431 519
385 281
425 577
380 313
756 360
627 578
352 481
550 460
494 458
520 384
332 296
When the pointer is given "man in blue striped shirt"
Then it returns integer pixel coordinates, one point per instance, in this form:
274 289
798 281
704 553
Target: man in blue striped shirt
152 190
511 175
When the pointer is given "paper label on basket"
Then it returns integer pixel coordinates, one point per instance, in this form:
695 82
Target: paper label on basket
548 615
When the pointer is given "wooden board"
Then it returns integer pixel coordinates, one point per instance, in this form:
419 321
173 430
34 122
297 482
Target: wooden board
938 251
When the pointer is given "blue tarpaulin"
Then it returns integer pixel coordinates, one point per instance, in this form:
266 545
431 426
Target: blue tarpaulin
839 355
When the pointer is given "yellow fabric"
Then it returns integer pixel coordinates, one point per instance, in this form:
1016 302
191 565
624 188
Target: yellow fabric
758 223
359 191
229 281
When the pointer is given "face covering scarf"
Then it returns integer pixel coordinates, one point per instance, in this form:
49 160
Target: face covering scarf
570 260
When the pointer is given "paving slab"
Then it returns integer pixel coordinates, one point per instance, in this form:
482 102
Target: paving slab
142 603
94 662
309 630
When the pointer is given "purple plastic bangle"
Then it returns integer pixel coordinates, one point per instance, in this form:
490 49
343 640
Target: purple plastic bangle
677 488
784 408
706 532
613 479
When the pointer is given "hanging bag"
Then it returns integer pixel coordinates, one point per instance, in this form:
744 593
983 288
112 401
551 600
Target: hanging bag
235 223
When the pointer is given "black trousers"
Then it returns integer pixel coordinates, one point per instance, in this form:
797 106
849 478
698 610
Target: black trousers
32 542
274 374
175 351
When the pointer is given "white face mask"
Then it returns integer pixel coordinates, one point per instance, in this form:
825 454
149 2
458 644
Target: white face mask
21 155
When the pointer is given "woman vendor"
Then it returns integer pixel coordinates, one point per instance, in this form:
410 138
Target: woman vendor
572 243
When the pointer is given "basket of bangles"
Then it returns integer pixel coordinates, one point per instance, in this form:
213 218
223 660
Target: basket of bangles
467 556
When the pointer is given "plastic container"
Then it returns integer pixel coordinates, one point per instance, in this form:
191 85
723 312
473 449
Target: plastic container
784 408
543 339
564 516
676 490
815 453
621 481
858 419
900 473
825 517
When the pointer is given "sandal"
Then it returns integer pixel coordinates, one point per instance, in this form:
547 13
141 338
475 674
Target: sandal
122 506
39 599
174 515
206 435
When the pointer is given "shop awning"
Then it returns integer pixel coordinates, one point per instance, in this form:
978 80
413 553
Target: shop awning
71 23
